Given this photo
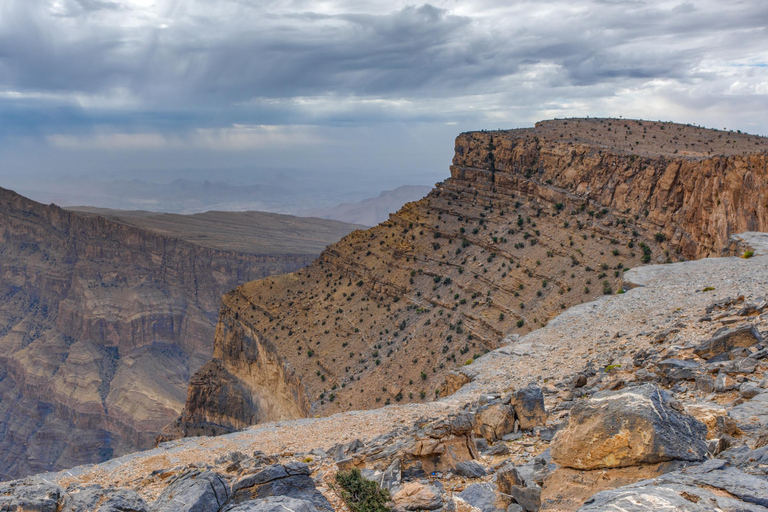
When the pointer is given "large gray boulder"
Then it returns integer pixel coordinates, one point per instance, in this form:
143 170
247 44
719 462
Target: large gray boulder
640 425
193 491
276 504
29 495
97 499
529 407
726 340
291 480
483 497
710 486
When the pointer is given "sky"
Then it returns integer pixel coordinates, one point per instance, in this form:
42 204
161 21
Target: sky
368 93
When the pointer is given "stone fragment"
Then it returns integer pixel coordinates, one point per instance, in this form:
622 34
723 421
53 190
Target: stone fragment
529 407
494 421
629 427
751 414
677 369
29 495
193 491
749 390
508 477
726 340
392 476
705 383
725 383
470 469
527 497
416 496
482 497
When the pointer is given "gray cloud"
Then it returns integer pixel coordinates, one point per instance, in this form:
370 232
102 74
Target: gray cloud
167 71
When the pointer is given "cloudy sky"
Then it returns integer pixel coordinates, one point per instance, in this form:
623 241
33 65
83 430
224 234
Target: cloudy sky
111 88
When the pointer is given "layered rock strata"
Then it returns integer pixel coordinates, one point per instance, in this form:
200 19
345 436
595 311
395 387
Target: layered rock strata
101 325
530 222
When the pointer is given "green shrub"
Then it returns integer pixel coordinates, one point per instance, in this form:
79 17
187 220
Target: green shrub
748 254
361 494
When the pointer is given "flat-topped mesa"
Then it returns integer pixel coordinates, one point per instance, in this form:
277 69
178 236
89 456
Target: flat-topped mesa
693 185
531 221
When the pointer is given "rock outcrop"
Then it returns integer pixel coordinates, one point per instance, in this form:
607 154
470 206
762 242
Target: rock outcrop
431 455
630 427
530 222
101 325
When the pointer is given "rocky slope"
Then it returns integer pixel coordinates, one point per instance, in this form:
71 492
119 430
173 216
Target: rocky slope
668 381
102 323
530 222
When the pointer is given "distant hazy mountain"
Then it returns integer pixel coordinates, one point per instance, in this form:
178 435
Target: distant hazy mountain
374 210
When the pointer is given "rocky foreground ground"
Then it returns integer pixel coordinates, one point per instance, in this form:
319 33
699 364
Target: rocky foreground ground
656 398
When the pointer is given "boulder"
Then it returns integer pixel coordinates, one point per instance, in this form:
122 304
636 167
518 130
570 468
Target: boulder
529 407
710 486
482 496
640 425
527 497
678 369
508 477
29 495
494 421
726 340
97 499
291 480
193 491
751 414
275 504
416 496
470 469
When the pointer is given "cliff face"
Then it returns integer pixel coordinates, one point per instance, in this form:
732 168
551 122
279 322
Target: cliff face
101 326
530 222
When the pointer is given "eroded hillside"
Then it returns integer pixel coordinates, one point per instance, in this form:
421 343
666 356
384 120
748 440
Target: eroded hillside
530 222
101 325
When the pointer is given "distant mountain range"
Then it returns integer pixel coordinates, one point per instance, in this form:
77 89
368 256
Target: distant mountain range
373 210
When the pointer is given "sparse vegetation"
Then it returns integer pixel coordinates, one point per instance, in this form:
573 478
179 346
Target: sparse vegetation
361 494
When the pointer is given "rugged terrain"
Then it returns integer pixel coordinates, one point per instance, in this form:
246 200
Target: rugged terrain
530 222
669 381
102 321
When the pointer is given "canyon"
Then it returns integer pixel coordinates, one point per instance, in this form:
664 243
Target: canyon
574 320
531 222
103 320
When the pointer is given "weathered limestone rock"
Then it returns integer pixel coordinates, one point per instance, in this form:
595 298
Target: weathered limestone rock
711 486
96 499
508 477
529 407
193 491
290 480
494 421
274 504
482 497
416 496
628 427
29 495
728 339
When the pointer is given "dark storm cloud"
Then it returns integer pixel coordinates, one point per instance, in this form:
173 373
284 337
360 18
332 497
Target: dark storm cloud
178 65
